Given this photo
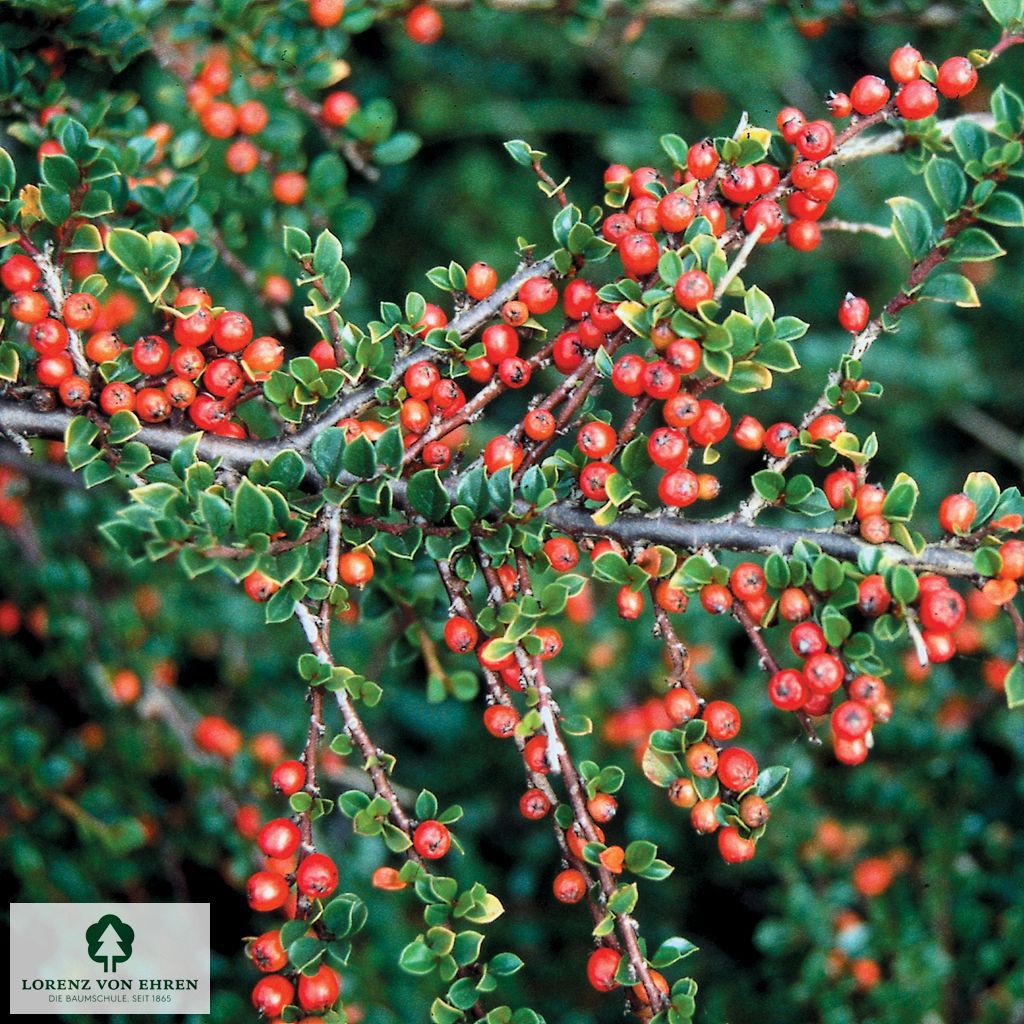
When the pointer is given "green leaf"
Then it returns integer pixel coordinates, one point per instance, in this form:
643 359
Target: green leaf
771 781
359 458
60 172
974 245
400 147
252 510
8 175
522 153
1003 208
826 574
778 355
1005 12
911 226
768 484
504 964
640 855
749 376
983 490
417 958
345 915
1014 684
987 561
671 951
151 260
954 288
326 451
946 184
427 495
124 426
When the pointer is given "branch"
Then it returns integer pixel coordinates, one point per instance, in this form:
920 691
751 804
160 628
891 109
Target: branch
896 141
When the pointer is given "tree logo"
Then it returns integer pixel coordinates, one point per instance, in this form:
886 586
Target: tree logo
110 942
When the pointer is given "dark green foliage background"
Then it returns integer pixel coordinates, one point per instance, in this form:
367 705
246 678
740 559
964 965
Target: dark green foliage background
949 933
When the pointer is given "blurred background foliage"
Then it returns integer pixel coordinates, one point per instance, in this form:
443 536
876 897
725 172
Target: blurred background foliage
109 799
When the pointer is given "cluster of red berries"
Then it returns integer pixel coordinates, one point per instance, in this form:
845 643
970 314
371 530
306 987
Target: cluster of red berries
709 760
216 347
315 877
223 120
752 193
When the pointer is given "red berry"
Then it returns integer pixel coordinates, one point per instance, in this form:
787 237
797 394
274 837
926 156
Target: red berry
956 513
851 720
702 159
232 331
676 212
562 553
317 876
639 252
502 451
823 673
723 720
266 890
481 280
903 64
917 100
692 288
538 294
661 381
737 769
679 488
601 968
19 273
539 425
869 94
839 105
48 337
424 25
733 847
748 434
431 840
569 886
815 140
715 599
319 991
957 77
681 705
288 777
533 804
854 314
712 424
279 838
460 634
628 375
270 995
500 720
594 480
596 439
789 121
267 953
786 690
337 108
